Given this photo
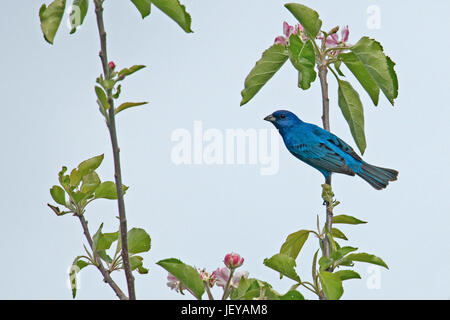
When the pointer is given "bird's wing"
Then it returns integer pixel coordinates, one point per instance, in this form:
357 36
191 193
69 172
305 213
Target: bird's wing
320 156
338 142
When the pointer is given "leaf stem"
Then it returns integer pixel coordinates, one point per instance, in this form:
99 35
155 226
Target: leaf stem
335 49
115 148
334 73
312 289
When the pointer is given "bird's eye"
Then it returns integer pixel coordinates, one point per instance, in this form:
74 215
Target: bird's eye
283 116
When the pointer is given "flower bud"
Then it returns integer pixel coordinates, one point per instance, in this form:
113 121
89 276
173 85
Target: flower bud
233 260
334 30
111 65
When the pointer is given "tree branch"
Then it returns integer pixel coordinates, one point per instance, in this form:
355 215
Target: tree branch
326 125
115 148
105 273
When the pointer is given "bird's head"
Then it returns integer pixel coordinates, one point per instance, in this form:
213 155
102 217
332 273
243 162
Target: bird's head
283 119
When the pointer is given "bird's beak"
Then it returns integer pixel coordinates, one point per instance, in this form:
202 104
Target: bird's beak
270 118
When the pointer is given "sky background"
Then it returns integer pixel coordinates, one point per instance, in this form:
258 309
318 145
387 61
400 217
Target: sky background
198 213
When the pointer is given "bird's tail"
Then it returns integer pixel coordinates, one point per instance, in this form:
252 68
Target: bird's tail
377 177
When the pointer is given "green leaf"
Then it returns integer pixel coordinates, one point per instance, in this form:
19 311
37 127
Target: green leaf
79 196
90 182
77 265
341 252
56 210
64 179
50 18
271 61
129 71
176 11
347 274
314 264
186 274
96 237
102 254
362 75
352 110
380 67
138 241
105 240
336 233
303 58
58 195
292 295
284 264
107 190
127 105
79 11
144 7
294 243
107 84
365 257
142 270
118 90
337 66
101 98
325 263
75 178
135 262
246 290
333 245
307 17
347 219
90 164
331 285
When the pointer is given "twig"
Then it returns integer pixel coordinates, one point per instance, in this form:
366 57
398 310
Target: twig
113 134
326 125
226 289
105 273
208 291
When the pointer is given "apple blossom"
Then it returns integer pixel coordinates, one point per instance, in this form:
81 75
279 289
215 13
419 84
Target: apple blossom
223 274
288 30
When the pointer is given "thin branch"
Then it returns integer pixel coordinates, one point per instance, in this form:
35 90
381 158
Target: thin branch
98 263
208 291
312 288
115 146
326 125
226 289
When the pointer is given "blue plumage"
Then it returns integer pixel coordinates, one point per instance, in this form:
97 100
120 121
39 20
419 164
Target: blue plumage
325 151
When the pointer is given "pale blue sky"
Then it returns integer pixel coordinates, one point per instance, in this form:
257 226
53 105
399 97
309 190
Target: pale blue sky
200 212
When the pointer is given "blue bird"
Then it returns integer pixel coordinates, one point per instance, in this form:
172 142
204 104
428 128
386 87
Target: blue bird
325 151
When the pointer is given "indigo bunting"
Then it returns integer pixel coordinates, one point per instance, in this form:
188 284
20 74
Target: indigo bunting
325 151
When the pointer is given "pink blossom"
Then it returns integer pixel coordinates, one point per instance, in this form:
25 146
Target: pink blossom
281 40
174 283
233 260
289 30
223 274
344 34
333 39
